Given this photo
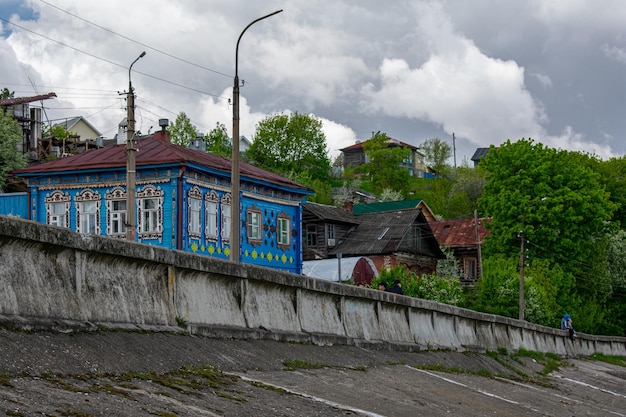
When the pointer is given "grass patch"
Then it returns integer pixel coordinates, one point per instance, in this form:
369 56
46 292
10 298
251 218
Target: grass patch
292 365
551 365
615 360
530 354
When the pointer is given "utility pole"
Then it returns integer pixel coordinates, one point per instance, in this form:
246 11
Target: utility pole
480 257
454 151
131 151
235 217
522 258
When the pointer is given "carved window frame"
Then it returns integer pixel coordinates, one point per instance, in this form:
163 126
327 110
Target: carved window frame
194 210
150 195
55 200
226 211
211 205
114 214
84 198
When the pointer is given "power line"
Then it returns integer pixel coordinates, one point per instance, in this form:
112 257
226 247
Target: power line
111 62
137 42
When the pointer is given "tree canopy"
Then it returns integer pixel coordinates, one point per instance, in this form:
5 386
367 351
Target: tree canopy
218 142
436 153
10 136
383 166
287 144
182 131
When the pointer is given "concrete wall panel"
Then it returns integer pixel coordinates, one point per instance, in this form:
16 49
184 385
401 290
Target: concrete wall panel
51 275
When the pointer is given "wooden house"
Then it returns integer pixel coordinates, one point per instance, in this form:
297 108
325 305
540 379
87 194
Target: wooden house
323 226
390 239
464 237
354 156
183 201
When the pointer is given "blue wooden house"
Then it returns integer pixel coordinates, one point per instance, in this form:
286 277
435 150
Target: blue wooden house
183 201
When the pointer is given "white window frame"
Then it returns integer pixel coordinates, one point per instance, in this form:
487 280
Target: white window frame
194 202
254 225
226 217
150 213
210 210
58 209
116 216
283 230
88 212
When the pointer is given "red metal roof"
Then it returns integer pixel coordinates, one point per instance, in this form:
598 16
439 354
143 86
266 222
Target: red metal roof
22 100
459 233
153 151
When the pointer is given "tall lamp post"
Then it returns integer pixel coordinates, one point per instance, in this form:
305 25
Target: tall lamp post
131 151
522 260
235 212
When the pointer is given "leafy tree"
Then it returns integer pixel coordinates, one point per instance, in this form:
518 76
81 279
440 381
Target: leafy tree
5 93
390 195
437 152
218 142
291 143
382 168
182 131
10 136
575 210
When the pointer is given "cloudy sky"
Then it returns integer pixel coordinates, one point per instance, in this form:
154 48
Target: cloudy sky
483 70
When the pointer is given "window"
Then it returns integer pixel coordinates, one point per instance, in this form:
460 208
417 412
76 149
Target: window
470 268
311 235
88 212
116 212
150 213
330 231
195 203
58 209
87 215
118 217
210 207
57 214
253 224
226 217
283 230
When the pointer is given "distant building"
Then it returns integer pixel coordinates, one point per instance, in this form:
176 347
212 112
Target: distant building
354 156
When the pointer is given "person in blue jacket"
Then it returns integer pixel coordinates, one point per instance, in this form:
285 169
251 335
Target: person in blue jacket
566 324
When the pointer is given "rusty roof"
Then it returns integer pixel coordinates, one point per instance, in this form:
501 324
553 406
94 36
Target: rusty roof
22 100
153 151
459 233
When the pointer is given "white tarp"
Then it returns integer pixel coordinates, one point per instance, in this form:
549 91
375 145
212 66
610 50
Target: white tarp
328 269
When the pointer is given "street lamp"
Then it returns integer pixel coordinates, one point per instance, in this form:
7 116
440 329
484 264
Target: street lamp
130 157
522 260
235 223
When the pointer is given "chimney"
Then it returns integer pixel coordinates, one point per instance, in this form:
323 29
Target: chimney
348 206
163 134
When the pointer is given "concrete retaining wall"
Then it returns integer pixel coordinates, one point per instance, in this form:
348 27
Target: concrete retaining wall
53 277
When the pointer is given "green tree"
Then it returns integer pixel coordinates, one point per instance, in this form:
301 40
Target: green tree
576 208
218 142
291 143
383 166
10 136
5 93
182 131
436 153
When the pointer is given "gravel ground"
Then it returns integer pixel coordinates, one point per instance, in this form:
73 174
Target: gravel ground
165 374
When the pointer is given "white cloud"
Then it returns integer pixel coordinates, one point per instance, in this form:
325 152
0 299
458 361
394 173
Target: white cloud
480 98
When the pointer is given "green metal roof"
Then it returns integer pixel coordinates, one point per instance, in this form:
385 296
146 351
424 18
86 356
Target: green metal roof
385 206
